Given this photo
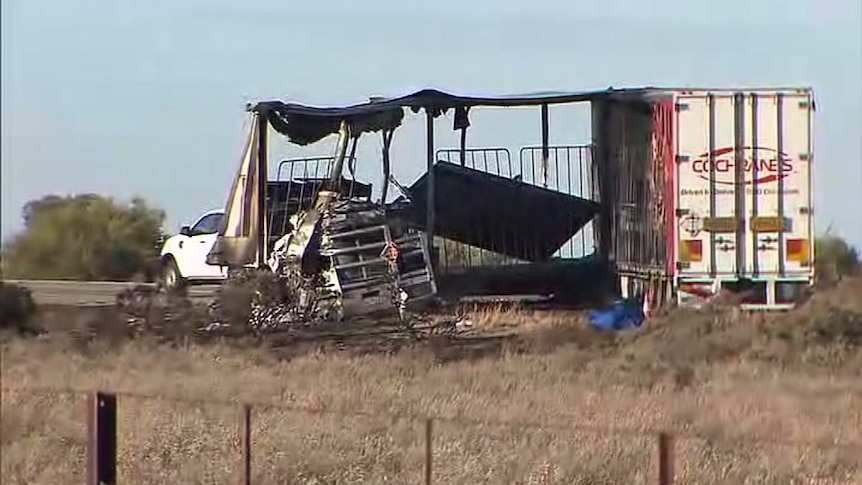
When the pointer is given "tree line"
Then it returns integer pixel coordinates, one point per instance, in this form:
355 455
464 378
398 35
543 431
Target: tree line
96 238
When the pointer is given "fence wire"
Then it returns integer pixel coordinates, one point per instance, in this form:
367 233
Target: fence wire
169 439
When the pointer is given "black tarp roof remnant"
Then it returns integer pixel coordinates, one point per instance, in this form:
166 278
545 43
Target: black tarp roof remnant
499 214
304 124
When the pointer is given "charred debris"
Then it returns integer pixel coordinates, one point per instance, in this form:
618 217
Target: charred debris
332 252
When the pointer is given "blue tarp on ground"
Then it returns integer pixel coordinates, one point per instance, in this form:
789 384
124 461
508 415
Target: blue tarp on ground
622 315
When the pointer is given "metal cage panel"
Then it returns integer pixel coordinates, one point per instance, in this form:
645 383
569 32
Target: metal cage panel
568 170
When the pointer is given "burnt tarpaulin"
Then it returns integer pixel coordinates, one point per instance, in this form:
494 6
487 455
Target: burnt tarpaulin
503 215
303 124
303 127
237 241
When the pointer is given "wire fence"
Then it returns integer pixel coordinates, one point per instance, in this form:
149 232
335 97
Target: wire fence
57 435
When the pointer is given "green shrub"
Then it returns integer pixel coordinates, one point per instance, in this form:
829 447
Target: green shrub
17 308
84 237
839 326
834 258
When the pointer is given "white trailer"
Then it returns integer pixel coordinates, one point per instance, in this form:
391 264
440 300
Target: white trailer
710 189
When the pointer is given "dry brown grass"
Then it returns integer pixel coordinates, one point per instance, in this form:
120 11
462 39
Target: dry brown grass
745 394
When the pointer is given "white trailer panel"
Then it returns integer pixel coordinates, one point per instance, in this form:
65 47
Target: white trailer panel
743 197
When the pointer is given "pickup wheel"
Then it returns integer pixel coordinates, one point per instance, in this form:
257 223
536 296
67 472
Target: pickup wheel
172 279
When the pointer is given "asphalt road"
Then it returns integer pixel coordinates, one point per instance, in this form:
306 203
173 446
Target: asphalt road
85 293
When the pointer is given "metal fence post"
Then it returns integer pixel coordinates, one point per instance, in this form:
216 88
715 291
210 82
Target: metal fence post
101 439
246 444
428 450
665 459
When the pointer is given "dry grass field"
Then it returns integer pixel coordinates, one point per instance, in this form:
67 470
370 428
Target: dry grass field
773 399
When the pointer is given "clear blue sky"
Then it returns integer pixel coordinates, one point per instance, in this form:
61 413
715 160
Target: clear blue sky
145 98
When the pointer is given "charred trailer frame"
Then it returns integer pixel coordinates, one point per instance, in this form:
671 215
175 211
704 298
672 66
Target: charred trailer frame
340 254
245 238
560 168
527 250
633 146
514 229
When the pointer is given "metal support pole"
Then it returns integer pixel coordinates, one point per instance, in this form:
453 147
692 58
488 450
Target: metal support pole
779 142
429 210
339 156
755 153
387 164
713 206
739 182
101 439
546 135
461 123
605 170
351 159
428 451
463 147
665 459
262 175
246 444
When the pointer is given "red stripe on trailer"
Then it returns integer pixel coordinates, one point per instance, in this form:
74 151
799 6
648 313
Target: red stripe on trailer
664 151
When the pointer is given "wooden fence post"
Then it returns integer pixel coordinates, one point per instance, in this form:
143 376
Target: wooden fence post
101 439
246 444
665 459
428 450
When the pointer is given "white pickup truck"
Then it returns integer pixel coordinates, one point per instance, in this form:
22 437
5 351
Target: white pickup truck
184 255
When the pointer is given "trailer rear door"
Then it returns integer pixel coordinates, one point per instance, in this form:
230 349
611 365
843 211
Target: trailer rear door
744 184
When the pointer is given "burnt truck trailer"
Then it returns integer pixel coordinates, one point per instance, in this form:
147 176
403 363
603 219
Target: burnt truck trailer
689 192
707 190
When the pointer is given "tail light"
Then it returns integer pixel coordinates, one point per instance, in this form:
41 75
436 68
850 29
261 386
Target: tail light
691 250
797 250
